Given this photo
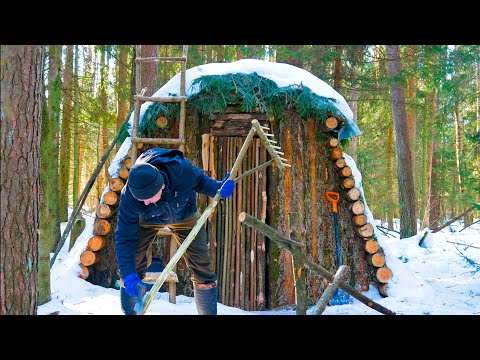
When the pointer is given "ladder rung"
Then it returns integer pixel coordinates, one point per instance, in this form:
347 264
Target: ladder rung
161 58
157 141
161 99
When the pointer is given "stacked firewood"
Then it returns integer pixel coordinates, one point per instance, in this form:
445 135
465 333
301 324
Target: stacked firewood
103 228
374 253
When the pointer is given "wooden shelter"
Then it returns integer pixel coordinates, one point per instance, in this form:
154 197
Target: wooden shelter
253 272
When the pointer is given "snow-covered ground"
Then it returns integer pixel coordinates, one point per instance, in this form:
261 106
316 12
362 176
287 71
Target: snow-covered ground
442 277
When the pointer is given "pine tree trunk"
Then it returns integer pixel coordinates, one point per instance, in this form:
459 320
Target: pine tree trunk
408 218
220 53
21 89
104 70
389 177
337 71
76 143
433 188
459 136
426 138
66 135
411 121
149 69
123 91
49 218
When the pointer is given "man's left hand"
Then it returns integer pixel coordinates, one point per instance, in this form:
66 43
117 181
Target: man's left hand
226 187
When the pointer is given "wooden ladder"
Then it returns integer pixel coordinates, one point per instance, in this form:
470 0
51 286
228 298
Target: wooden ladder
180 141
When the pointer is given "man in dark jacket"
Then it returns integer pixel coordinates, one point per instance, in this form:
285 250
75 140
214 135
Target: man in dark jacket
161 192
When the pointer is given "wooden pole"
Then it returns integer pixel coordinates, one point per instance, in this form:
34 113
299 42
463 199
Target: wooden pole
301 258
340 276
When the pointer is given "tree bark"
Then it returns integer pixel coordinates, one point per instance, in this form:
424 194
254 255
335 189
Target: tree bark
337 70
66 135
76 143
408 218
149 69
433 203
21 89
123 88
389 176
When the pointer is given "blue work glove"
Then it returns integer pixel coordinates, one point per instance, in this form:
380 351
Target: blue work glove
131 282
227 187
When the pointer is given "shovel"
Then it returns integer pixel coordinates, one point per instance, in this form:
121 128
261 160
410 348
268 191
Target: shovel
340 297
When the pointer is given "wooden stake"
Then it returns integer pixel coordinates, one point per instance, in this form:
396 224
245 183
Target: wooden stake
340 276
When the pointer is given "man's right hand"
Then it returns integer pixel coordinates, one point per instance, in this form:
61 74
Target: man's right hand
131 282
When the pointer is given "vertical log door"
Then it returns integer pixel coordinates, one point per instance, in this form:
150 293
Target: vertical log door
238 252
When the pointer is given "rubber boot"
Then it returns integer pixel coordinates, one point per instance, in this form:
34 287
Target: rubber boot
206 298
127 302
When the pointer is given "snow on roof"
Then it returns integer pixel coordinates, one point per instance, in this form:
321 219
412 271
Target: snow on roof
282 74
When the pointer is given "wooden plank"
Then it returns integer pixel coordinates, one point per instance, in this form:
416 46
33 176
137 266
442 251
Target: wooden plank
163 99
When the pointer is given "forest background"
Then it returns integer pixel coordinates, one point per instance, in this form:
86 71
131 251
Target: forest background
86 94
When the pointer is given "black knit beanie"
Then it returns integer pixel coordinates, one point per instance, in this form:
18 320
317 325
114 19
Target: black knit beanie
144 181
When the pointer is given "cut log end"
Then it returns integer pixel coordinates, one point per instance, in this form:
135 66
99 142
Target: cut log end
103 211
337 153
102 227
242 216
353 194
340 163
358 207
377 259
128 163
85 272
346 171
162 121
371 246
332 142
110 198
384 274
96 242
360 220
348 183
88 257
116 184
365 231
383 289
123 172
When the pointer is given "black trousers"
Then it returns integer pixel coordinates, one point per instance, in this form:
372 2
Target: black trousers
197 256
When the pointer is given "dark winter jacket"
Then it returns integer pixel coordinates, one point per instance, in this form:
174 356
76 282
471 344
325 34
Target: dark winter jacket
178 201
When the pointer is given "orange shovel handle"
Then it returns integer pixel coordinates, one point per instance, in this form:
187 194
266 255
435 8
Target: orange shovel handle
333 197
